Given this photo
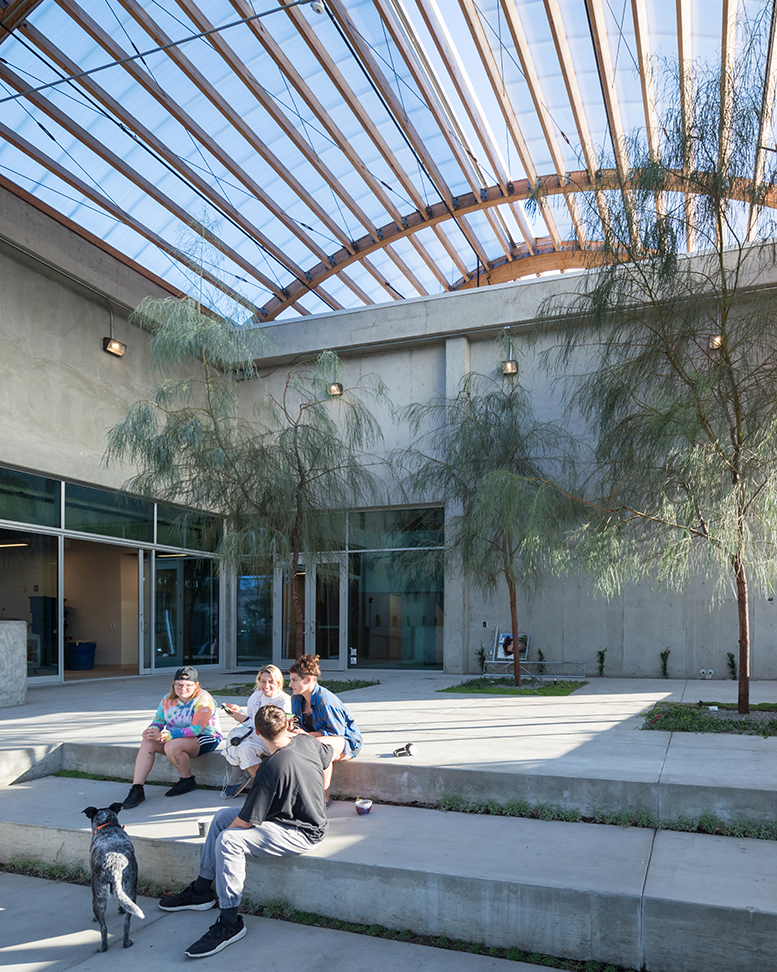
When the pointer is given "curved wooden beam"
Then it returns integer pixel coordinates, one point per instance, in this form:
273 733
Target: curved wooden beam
548 185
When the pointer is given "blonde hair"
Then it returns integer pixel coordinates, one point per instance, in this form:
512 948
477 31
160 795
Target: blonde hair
277 675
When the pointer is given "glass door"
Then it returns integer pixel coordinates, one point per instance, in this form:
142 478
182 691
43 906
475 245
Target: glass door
186 616
321 594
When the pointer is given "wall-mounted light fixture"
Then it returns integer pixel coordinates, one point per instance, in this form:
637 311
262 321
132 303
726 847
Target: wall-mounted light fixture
110 344
334 389
715 342
509 366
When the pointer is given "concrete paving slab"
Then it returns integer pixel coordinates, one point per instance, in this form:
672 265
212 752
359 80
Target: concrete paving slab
688 923
70 941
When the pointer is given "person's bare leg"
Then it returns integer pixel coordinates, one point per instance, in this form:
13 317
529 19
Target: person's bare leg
180 751
145 760
337 744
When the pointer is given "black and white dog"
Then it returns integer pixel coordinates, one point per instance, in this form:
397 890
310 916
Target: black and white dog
114 869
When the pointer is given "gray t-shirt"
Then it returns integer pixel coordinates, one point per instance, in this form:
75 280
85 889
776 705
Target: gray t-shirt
289 788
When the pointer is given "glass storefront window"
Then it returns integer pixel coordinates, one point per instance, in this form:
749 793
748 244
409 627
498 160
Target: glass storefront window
186 528
396 613
109 514
25 498
254 620
387 529
28 592
187 599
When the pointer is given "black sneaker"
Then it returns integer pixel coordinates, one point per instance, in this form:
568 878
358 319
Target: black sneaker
182 786
218 936
187 900
135 797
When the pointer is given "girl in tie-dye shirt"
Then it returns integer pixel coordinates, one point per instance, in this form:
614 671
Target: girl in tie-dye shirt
186 725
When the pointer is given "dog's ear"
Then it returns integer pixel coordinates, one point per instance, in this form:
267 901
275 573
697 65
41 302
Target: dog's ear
116 807
90 812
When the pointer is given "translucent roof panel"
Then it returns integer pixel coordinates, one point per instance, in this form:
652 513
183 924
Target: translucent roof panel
305 161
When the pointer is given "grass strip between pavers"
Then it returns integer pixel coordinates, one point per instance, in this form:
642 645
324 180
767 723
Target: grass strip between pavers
282 911
485 685
704 823
696 717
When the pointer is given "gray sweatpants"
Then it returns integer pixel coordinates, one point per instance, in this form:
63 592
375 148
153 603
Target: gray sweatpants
224 852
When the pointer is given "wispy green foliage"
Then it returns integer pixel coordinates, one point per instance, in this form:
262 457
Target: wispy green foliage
281 478
671 358
483 451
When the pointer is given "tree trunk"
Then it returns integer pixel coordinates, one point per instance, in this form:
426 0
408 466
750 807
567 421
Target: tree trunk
514 632
744 637
299 617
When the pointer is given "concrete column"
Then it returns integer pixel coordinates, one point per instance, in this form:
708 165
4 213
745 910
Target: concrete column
456 651
13 663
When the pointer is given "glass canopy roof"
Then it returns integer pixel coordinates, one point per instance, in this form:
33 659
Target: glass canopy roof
312 156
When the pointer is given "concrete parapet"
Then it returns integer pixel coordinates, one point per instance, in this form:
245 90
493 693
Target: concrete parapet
32 763
13 663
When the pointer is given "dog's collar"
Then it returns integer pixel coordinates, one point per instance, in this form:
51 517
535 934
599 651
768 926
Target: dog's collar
110 823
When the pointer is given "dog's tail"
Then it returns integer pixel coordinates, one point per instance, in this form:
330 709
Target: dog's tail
116 863
128 904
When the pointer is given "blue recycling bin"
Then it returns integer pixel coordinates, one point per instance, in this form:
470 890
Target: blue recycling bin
81 656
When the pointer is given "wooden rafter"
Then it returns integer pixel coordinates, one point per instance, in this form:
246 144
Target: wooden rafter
579 181
194 178
14 15
564 54
685 62
727 52
398 113
249 134
438 31
370 128
639 14
287 125
110 207
472 17
764 121
439 105
190 125
325 118
548 129
147 187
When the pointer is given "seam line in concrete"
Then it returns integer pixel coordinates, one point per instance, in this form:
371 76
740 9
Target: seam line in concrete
641 906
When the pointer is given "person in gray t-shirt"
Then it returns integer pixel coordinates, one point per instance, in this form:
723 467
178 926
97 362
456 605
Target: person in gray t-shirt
284 813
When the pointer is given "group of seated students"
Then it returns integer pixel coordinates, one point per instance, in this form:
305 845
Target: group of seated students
187 725
286 751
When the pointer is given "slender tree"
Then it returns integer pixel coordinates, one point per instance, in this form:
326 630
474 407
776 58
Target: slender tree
484 452
280 476
670 350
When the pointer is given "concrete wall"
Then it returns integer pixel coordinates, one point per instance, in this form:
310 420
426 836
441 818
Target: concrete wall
422 348
59 393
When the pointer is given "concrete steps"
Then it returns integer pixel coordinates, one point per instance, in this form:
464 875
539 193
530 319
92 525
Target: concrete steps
690 780
68 942
665 901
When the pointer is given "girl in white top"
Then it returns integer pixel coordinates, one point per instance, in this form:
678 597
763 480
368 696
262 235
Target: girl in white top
244 755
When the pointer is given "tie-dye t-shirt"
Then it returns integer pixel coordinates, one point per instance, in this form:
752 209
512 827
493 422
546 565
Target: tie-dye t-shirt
197 716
